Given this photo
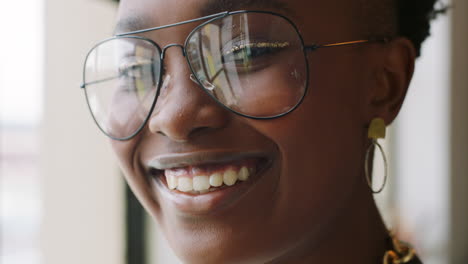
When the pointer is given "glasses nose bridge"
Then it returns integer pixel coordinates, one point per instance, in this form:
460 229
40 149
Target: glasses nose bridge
163 53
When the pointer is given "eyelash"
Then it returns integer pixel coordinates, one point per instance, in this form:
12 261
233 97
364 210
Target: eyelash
268 45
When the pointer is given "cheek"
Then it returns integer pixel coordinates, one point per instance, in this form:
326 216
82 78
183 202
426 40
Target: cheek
135 176
283 87
321 146
124 152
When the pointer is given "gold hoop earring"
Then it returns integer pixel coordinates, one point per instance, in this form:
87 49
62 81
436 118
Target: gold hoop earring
377 129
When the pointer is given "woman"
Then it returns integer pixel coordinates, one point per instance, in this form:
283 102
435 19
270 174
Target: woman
245 127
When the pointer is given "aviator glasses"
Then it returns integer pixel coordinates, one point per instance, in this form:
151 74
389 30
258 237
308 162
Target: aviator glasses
253 63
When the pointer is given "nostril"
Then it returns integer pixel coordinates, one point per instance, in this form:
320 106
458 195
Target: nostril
184 110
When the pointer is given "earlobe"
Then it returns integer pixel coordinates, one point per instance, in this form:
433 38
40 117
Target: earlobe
393 78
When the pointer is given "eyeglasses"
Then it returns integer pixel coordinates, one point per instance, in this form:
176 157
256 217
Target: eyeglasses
253 63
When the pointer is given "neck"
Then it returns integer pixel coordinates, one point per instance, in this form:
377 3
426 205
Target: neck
358 235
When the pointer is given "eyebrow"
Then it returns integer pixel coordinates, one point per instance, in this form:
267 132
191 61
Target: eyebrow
211 7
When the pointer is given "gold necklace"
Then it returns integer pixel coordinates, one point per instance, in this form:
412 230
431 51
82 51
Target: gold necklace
401 253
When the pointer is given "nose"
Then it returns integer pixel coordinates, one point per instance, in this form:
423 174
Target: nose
183 109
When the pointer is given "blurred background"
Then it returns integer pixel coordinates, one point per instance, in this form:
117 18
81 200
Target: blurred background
63 200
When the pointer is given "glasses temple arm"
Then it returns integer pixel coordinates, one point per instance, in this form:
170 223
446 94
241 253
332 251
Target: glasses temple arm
330 45
100 81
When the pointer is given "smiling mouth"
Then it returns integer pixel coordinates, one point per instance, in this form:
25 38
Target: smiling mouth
201 177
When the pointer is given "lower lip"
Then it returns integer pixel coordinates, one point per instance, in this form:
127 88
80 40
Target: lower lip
210 202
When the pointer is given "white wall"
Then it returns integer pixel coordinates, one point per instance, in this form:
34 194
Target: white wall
21 79
83 191
424 147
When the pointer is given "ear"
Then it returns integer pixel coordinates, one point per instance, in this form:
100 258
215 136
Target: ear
393 76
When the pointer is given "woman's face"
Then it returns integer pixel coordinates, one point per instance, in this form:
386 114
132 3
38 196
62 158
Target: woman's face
303 168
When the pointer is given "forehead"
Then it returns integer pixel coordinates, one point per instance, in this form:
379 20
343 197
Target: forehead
317 15
132 17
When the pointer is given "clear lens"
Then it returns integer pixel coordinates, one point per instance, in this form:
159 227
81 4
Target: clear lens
252 62
121 80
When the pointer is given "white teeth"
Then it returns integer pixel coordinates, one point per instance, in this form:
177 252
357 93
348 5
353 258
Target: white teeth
201 183
230 177
185 184
172 182
244 174
216 180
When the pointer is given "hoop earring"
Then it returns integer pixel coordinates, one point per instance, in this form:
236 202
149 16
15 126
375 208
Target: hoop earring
377 129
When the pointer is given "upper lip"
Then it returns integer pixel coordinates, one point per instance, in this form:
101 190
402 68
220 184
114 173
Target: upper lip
180 160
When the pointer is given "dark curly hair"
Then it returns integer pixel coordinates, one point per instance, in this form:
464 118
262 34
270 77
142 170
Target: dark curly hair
405 18
414 17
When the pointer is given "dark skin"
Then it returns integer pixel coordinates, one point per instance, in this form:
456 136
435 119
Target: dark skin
312 205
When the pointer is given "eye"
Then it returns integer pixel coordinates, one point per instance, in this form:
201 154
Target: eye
247 53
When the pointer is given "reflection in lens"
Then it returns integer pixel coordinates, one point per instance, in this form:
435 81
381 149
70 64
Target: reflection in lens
121 78
254 60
